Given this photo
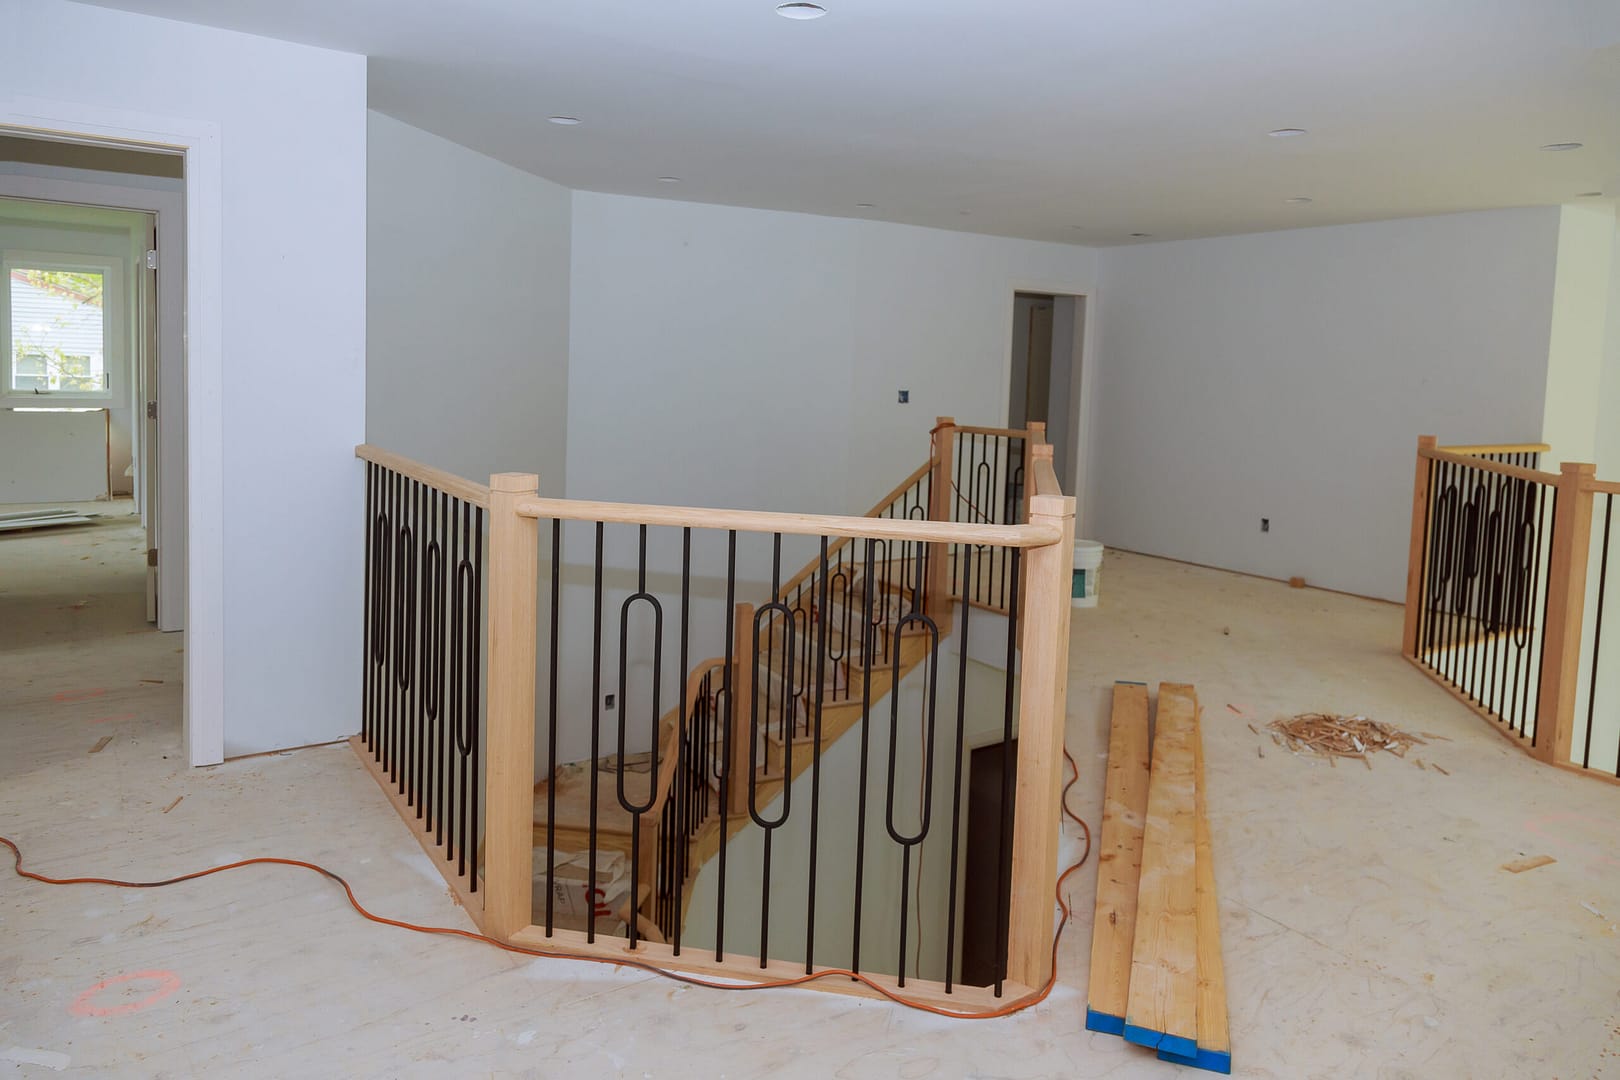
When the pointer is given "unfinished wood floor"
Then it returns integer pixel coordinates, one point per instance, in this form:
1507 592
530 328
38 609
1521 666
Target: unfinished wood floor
1368 929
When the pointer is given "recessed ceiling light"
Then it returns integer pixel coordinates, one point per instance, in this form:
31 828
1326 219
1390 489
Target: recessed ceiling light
865 205
1139 235
964 213
1590 195
566 121
1299 199
1287 133
800 11
669 179
1079 227
1563 146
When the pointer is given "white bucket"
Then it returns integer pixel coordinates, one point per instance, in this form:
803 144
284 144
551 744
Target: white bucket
1088 557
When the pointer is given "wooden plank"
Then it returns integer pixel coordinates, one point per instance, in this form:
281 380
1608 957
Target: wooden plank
1214 1035
1498 448
1035 534
514 585
1162 1007
1119 859
1533 862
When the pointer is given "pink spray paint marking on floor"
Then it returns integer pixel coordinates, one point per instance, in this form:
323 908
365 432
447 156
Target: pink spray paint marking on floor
167 984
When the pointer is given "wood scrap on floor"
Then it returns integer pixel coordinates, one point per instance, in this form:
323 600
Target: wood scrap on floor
1531 862
101 744
1334 737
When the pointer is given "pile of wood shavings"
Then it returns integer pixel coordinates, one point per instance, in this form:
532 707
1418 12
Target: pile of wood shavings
1335 737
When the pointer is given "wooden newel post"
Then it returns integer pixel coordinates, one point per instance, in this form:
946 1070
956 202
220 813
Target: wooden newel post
741 706
1043 700
1418 549
1566 606
514 573
941 507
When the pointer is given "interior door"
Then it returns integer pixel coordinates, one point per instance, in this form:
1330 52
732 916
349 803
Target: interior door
146 367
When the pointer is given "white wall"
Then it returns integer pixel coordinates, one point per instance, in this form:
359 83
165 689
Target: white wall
751 358
291 126
467 308
1287 375
1575 415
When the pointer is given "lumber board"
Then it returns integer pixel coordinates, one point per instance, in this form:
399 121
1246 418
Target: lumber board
1214 1051
1162 1006
1119 859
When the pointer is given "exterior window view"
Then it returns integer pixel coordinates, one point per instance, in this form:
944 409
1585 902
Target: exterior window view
777 540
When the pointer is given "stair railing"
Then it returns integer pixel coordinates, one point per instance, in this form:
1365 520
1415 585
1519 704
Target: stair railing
897 552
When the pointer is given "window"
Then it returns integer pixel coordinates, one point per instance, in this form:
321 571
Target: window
58 322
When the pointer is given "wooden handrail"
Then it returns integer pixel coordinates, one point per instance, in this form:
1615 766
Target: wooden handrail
767 521
1010 433
449 483
1498 448
1535 476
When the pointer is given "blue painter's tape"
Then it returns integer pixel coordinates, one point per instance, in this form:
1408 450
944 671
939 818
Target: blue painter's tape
1104 1022
1219 1061
1141 1036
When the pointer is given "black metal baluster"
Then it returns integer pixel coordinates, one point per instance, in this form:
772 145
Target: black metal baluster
365 639
956 788
637 809
1535 587
726 725
551 727
1003 888
682 793
596 735
1597 631
755 731
815 761
866 717
908 841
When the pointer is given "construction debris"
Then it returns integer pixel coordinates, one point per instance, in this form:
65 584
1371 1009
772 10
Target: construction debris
1334 737
1519 866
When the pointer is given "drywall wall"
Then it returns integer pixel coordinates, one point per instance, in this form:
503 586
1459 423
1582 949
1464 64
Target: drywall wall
52 457
1287 375
467 308
733 357
1573 416
291 127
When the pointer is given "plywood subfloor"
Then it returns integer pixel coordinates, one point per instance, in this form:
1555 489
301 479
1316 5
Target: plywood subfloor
1368 928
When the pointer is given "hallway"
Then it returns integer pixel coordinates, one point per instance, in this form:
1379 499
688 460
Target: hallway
1368 928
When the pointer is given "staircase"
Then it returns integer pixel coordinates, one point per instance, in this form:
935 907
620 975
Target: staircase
801 658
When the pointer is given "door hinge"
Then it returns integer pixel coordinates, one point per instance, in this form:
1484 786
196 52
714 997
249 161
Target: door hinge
151 410
151 258
151 556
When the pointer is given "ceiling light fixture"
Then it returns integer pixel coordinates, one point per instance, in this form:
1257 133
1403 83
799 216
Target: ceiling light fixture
669 179
1140 235
1298 199
865 205
565 121
1590 195
800 11
1556 146
1287 133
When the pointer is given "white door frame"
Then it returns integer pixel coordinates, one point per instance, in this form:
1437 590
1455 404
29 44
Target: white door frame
169 209
204 690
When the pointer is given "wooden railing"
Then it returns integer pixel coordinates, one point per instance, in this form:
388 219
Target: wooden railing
720 720
1505 597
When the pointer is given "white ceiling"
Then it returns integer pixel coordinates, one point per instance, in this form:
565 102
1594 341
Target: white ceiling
1079 121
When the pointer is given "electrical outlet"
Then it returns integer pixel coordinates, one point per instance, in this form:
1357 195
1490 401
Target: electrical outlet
905 397
610 700
1265 524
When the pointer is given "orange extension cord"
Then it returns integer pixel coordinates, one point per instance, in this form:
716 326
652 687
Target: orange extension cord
677 976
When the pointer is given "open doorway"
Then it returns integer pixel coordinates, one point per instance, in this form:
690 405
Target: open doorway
92 470
1047 333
